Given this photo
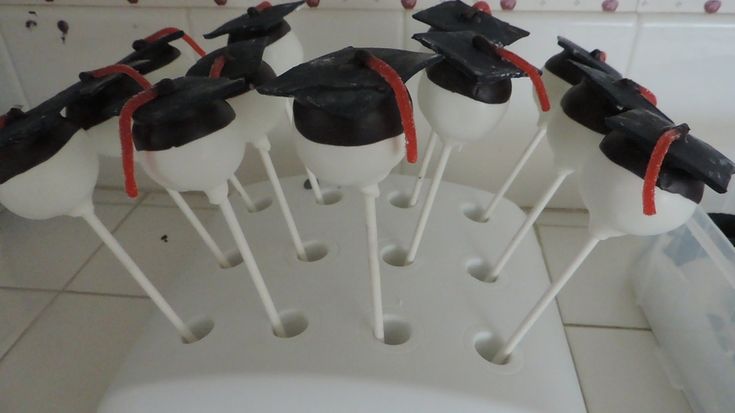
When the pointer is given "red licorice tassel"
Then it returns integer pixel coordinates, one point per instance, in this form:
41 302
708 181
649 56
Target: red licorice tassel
216 70
126 137
263 5
654 167
168 30
402 99
646 93
601 56
531 71
483 6
2 121
124 69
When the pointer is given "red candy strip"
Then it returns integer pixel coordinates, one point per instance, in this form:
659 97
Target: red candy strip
402 99
646 93
263 5
216 70
168 30
601 56
124 69
531 71
483 7
126 137
654 167
2 121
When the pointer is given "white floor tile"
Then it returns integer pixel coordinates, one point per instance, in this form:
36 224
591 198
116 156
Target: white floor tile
65 362
601 292
619 372
194 199
17 310
46 254
564 218
114 196
158 239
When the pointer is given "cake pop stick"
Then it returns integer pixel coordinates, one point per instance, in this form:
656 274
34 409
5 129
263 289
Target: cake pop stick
256 114
575 130
50 170
249 204
351 132
200 159
315 187
559 76
628 189
423 169
464 98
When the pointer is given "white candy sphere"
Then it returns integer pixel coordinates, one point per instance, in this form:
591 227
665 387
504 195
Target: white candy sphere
455 117
358 166
257 114
56 186
284 53
105 137
556 87
613 196
200 165
570 141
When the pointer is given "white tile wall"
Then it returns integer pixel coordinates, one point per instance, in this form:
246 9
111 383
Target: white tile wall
661 42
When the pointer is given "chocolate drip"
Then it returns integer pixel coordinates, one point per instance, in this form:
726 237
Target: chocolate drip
379 123
623 151
194 123
448 77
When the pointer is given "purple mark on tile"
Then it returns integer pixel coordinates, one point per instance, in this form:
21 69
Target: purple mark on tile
610 5
712 6
507 4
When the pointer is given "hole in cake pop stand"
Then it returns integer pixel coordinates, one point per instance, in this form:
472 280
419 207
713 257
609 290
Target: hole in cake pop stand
294 322
331 196
262 203
394 255
399 199
233 257
201 327
473 212
487 344
315 251
397 330
479 269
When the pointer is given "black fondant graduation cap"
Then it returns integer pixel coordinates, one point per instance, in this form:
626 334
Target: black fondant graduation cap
256 22
686 154
27 140
341 84
561 64
243 60
469 53
453 16
157 53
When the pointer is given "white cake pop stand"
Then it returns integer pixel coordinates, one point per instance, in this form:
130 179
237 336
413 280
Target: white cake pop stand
452 321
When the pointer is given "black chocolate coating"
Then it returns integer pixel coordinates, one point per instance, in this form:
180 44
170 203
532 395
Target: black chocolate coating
318 125
257 23
341 84
270 36
92 109
688 154
243 61
186 109
561 64
454 16
157 54
448 77
27 141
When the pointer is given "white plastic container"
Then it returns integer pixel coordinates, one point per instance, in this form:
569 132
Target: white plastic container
685 284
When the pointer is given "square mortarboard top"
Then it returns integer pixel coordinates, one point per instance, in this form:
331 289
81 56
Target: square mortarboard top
561 63
342 85
454 16
157 53
256 21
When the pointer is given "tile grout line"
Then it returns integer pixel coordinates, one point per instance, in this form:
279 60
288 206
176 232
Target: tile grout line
48 290
606 327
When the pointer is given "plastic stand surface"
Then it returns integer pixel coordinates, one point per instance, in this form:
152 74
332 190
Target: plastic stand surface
447 321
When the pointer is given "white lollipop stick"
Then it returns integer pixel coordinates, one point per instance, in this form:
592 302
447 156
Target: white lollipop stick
544 302
424 168
197 224
315 187
137 274
540 135
528 223
371 193
218 196
433 189
249 204
263 147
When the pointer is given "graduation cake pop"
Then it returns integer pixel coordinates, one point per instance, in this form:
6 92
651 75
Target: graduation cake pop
164 60
455 16
283 49
183 133
575 131
559 75
48 169
646 179
354 120
465 96
256 114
